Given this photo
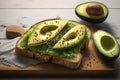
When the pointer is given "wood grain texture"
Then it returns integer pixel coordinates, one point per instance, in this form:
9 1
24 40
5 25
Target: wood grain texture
27 12
92 65
28 17
52 3
13 31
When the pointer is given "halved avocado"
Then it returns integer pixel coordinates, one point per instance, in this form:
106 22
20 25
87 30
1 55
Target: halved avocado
93 12
46 31
73 37
106 44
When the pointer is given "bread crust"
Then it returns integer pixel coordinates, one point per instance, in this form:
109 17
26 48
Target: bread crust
31 54
73 63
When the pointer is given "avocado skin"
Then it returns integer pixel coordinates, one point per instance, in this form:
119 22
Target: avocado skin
90 20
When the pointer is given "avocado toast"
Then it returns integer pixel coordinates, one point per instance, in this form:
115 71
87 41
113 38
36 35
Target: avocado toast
57 41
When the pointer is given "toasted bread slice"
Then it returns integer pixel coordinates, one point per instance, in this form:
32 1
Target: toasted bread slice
72 63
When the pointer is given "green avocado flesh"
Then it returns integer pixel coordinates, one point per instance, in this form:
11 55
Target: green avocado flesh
106 44
47 46
73 37
81 12
46 32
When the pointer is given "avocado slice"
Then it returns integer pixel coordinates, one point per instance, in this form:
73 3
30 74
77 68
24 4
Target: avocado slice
106 44
46 31
73 37
93 12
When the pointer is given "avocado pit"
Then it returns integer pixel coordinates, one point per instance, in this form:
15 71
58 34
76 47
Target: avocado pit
94 10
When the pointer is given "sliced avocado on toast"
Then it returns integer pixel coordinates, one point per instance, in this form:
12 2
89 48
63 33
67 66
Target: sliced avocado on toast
69 29
106 44
73 37
46 31
93 12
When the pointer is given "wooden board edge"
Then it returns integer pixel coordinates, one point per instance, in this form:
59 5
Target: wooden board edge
37 73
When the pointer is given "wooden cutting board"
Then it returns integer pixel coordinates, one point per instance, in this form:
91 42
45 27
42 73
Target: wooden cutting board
92 65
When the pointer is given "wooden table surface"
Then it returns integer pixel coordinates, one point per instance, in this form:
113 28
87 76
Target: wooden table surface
27 12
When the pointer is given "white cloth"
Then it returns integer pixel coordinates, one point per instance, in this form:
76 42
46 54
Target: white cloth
9 57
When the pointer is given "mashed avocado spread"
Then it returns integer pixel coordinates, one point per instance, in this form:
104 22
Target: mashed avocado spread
47 48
